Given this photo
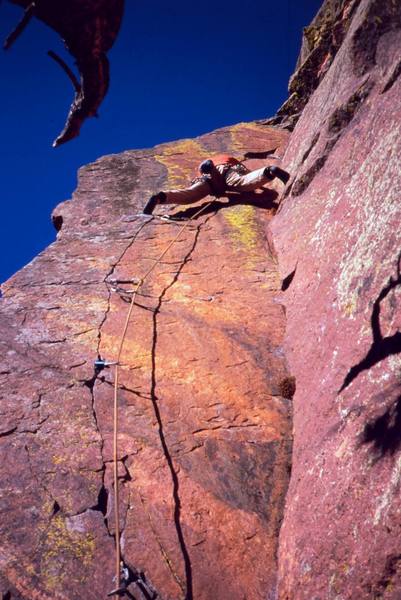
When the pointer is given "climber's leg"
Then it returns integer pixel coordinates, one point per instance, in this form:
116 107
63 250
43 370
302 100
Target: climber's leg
254 179
194 193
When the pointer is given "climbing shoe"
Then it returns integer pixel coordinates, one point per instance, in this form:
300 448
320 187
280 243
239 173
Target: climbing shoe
153 202
272 172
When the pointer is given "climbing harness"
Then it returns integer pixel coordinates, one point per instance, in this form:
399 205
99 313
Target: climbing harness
100 364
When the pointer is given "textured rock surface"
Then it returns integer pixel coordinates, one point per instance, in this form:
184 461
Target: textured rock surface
320 43
88 29
204 431
338 229
205 427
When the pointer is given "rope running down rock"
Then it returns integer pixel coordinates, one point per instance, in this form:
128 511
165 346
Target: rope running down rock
119 589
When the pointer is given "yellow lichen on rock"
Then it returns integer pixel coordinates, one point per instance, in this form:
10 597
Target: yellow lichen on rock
243 226
182 169
63 544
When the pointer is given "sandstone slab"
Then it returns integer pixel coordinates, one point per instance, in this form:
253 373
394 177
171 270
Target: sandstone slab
337 237
205 432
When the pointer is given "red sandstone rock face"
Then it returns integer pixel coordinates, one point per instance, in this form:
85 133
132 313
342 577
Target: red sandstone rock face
204 436
339 230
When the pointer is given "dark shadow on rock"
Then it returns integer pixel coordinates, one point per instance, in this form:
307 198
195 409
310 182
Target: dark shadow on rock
311 146
381 347
138 578
337 122
393 78
265 200
379 18
260 154
287 281
385 431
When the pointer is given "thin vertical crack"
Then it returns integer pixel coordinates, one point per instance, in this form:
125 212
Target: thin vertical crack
90 384
134 576
174 478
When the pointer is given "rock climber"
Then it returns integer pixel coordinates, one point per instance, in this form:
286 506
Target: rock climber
216 177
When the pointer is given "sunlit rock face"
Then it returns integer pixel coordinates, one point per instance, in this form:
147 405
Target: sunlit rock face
338 234
205 429
295 289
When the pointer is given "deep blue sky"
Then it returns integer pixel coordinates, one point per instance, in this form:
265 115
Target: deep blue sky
178 69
